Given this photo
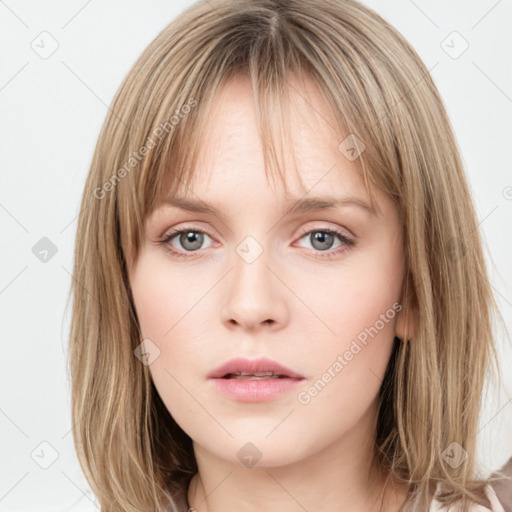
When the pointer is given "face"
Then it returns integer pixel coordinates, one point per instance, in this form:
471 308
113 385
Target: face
317 291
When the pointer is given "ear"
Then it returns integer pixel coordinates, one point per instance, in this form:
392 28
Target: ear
407 318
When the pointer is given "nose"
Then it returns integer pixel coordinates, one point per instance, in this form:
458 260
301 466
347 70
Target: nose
255 297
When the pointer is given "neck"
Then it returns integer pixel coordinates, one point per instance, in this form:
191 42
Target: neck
339 477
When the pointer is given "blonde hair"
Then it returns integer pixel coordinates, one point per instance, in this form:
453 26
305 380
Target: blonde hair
133 454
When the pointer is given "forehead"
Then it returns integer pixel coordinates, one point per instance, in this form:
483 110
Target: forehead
230 157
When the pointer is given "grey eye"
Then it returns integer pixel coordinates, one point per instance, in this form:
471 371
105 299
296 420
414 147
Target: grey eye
191 240
321 240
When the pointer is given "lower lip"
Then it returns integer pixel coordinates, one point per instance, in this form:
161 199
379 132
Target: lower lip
255 390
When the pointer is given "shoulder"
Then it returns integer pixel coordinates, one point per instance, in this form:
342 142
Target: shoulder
496 506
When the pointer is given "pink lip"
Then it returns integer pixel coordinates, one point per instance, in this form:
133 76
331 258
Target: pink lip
254 390
263 364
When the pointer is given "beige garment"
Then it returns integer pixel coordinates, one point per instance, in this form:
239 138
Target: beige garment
496 506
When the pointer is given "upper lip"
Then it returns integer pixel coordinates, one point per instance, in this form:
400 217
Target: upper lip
263 364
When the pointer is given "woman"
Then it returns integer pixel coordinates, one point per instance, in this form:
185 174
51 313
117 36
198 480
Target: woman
322 343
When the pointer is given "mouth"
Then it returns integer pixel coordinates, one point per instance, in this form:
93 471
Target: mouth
254 369
256 380
254 376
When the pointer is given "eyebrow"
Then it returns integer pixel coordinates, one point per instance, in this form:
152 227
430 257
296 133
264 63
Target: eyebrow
303 205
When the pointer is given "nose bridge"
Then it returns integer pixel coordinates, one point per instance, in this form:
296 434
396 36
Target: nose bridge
251 275
253 296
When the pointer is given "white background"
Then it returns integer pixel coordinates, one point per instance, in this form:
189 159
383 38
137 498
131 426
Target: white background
51 113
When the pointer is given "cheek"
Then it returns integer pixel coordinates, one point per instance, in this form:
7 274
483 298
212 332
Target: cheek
162 298
358 307
352 300
165 310
347 370
169 309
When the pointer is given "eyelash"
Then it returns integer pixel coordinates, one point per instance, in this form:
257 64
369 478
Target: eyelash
165 241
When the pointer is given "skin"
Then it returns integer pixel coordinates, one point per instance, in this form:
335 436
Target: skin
291 305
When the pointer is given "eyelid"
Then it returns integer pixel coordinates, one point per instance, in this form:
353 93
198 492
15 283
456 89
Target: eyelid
338 229
190 227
